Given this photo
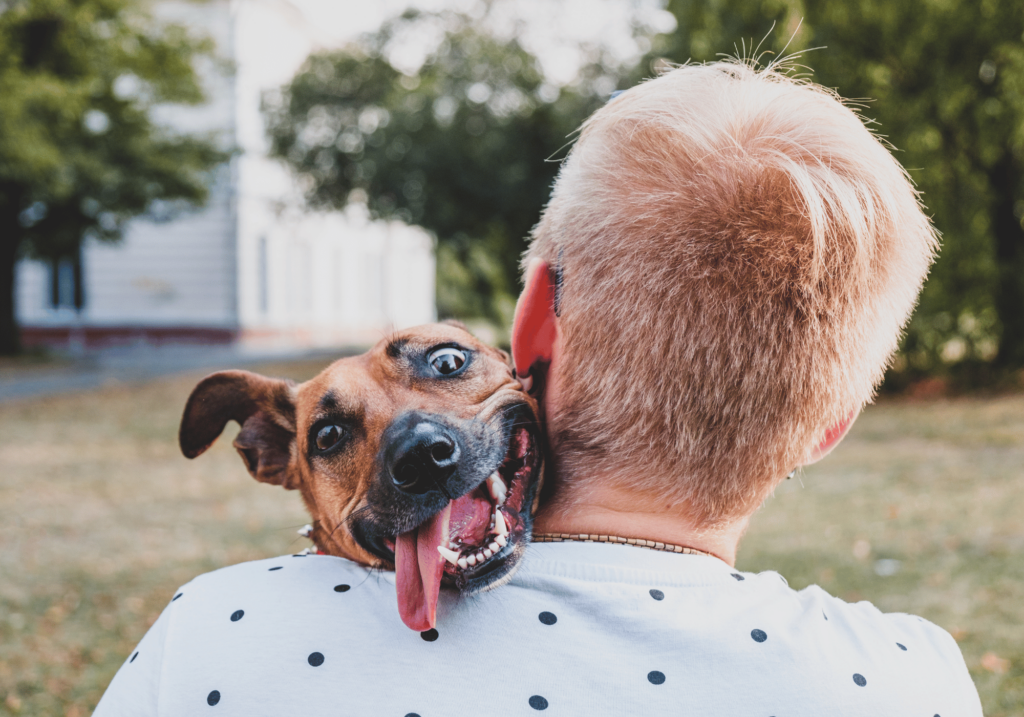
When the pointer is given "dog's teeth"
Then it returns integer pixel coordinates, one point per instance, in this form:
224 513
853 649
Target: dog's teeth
526 382
494 547
496 487
471 560
488 552
463 563
501 540
450 555
499 523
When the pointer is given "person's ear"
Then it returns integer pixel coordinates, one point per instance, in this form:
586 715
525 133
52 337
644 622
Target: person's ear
263 407
832 438
535 326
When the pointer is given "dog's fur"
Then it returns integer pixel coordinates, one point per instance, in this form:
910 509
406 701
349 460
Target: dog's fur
375 400
738 255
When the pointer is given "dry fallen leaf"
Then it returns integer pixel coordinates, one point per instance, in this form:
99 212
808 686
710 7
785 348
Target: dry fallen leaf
861 549
994 663
13 702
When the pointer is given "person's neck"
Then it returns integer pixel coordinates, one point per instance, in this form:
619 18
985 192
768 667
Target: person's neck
604 510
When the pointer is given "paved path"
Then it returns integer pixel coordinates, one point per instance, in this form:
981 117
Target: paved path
136 364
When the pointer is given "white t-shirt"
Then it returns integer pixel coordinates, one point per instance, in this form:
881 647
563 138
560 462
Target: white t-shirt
582 629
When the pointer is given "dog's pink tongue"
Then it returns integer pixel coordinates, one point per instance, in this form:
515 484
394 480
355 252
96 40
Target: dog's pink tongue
418 570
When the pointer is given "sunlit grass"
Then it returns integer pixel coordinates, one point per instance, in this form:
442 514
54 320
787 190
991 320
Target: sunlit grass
101 519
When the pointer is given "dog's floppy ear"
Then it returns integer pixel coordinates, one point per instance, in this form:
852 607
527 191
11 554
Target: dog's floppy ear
263 407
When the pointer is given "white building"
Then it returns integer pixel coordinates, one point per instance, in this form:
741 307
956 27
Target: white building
252 266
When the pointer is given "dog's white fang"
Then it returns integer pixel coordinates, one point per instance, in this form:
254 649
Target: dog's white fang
499 523
450 555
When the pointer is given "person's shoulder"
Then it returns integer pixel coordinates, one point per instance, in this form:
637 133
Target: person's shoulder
922 656
301 577
863 618
901 630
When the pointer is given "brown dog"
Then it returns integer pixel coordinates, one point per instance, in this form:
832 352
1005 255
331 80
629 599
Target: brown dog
422 455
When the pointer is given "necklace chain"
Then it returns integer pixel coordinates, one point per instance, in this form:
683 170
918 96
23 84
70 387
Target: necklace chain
638 542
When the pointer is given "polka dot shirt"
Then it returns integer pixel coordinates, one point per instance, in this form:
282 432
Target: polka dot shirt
582 629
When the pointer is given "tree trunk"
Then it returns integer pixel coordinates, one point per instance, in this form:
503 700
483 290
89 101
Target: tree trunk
10 342
1009 236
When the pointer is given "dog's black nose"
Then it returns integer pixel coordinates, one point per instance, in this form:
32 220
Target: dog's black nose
422 457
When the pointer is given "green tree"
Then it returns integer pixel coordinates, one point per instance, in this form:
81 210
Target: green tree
79 153
459 148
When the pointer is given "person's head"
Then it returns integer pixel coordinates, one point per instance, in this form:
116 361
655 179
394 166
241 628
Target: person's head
731 256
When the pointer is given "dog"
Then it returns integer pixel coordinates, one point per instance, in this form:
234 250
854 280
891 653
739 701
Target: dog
421 456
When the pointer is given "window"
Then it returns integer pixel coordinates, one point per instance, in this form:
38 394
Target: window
66 291
263 276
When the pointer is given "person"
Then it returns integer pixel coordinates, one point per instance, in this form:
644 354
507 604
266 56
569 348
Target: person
712 295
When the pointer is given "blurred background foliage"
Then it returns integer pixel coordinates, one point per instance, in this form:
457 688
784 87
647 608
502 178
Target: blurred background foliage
459 147
80 154
464 144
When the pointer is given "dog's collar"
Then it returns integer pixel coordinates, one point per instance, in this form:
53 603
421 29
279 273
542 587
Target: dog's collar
638 542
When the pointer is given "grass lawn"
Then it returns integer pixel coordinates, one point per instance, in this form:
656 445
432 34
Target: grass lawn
920 510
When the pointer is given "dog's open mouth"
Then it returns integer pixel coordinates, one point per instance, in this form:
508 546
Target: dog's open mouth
474 540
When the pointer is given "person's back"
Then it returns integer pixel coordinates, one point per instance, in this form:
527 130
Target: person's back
711 297
582 629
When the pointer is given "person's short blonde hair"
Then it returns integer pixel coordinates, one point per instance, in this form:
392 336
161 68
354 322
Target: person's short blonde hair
739 255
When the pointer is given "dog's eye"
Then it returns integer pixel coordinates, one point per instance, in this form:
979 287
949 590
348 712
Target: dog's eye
447 361
328 437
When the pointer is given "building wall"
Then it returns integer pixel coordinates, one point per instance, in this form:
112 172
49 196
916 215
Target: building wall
337 278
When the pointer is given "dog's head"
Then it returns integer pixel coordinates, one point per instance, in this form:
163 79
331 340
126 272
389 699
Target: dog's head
422 455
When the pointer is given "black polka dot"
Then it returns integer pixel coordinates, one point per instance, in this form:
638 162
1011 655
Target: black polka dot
656 678
902 647
538 702
315 659
274 568
342 588
298 555
176 597
759 635
859 679
548 618
213 698
738 576
412 714
237 615
133 657
657 594
429 635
